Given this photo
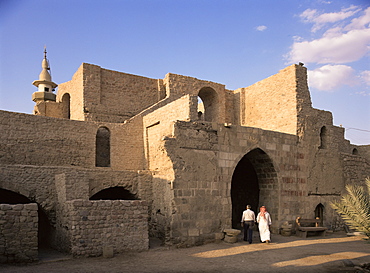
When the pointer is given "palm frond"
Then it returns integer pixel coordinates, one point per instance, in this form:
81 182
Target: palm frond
354 207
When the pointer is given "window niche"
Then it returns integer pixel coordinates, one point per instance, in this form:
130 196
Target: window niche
102 158
323 138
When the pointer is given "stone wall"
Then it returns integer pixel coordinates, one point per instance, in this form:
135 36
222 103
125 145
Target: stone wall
93 225
74 88
271 104
104 95
45 141
18 233
178 85
158 126
355 169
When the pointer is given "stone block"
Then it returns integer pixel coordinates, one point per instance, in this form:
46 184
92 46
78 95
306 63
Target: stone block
232 232
194 232
108 252
219 236
231 239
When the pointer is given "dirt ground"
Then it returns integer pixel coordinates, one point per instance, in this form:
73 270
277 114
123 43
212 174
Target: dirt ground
333 253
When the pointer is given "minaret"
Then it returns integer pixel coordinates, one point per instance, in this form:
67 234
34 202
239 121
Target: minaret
44 84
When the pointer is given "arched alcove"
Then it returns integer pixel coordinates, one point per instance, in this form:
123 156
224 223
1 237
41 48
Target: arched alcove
323 138
200 109
355 151
319 213
254 182
102 149
210 103
66 102
114 193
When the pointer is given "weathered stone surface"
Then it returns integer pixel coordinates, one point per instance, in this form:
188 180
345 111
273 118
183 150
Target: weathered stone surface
231 239
180 164
232 232
18 240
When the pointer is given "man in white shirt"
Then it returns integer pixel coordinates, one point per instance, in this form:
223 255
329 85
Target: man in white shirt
248 219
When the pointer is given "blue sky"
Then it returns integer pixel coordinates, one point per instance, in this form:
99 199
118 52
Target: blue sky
232 42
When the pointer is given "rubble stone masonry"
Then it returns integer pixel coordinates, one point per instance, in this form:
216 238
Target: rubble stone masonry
18 233
93 225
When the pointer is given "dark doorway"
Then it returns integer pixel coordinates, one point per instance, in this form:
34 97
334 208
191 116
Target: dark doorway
45 230
114 193
254 182
244 190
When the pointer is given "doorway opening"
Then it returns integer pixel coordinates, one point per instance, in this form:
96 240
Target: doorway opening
254 182
45 229
208 106
319 212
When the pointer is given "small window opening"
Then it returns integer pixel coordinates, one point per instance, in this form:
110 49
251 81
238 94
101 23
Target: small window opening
200 109
319 213
323 138
46 89
355 151
102 158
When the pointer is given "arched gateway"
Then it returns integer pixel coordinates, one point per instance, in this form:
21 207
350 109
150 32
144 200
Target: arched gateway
254 182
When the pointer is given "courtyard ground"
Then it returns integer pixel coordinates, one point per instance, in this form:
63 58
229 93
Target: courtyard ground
334 253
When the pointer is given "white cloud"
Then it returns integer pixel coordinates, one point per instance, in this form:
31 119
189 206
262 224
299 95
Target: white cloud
329 77
365 77
333 47
346 39
319 20
362 93
360 22
261 28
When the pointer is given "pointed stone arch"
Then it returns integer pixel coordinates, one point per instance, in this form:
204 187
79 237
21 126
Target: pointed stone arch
254 182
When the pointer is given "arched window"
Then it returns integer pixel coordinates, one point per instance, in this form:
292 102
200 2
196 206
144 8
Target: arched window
102 149
323 138
355 151
66 102
319 212
200 109
209 98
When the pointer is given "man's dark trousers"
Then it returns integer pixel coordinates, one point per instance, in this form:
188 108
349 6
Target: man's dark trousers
248 231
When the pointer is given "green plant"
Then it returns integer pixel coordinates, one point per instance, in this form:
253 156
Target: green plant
354 208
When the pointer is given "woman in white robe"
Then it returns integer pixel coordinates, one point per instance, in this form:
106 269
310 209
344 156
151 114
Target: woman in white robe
264 222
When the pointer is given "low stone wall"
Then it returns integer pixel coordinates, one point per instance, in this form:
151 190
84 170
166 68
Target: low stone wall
106 224
18 233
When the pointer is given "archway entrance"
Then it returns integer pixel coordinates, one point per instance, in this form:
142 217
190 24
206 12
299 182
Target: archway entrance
254 182
45 229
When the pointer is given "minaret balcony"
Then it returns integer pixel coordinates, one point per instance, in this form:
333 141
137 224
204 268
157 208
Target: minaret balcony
43 96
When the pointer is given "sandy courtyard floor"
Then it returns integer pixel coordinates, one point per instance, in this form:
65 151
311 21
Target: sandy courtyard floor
333 253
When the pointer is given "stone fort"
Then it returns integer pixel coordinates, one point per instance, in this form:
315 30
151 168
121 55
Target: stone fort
112 159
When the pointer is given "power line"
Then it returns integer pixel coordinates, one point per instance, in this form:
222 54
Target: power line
357 129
